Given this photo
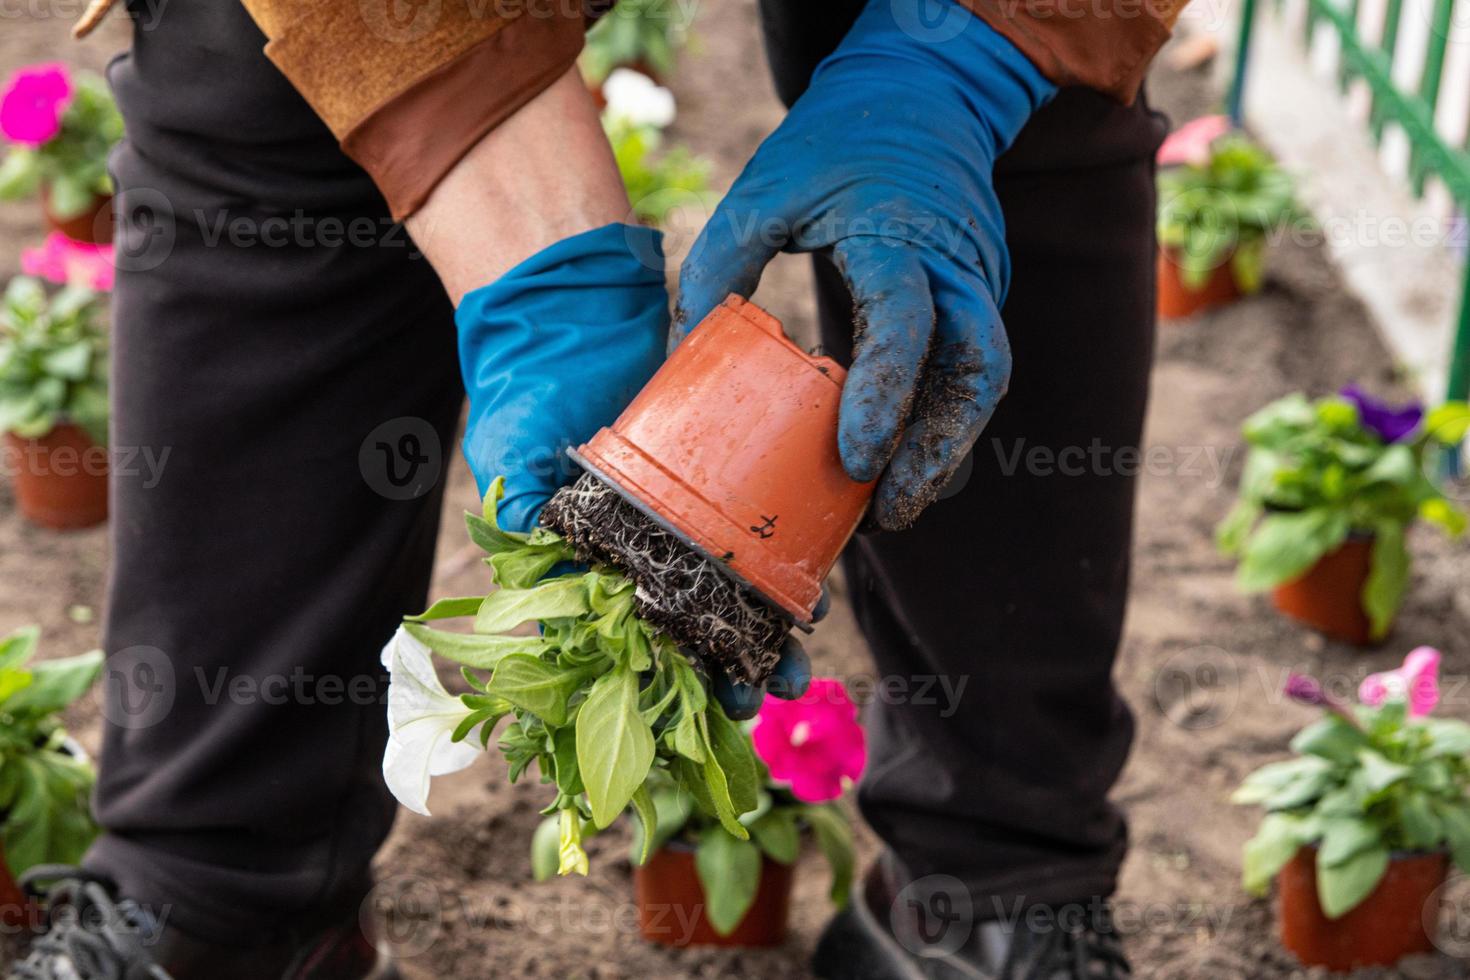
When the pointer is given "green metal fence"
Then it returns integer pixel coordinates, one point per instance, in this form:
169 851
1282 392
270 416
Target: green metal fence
1431 155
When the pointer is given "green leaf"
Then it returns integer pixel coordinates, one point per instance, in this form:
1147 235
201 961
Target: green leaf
541 688
17 649
1285 546
1342 887
568 773
1422 828
56 684
730 872
1378 773
1449 423
1448 737
647 812
673 807
1388 579
1444 515
505 609
449 609
777 835
614 745
1277 841
1231 533
1455 817
474 650
732 751
490 538
523 568
834 837
1396 467
1287 785
717 791
1344 837
545 844
1330 738
20 174
687 741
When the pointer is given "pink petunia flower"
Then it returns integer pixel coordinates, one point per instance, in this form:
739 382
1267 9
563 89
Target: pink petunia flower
68 262
813 744
1190 143
1416 682
33 102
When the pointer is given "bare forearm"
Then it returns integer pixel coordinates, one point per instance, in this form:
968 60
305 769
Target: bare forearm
543 175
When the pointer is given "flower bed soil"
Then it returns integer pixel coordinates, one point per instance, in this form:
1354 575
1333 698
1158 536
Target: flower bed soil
1200 664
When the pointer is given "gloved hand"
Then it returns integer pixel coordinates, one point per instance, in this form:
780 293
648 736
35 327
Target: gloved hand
552 351
886 162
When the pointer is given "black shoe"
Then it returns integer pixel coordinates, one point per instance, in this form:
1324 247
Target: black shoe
91 934
928 939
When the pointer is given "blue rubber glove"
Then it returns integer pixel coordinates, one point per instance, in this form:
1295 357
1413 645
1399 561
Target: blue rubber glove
886 164
552 351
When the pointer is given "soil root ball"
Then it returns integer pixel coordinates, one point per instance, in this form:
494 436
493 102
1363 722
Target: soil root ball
679 590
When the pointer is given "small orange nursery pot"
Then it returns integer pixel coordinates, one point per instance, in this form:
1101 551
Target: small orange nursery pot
60 478
1329 598
733 446
1395 921
671 903
93 225
1176 300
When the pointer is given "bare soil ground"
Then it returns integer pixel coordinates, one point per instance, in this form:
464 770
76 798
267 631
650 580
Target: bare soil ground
1201 664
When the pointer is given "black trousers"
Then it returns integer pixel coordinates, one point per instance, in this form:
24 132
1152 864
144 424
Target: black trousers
286 346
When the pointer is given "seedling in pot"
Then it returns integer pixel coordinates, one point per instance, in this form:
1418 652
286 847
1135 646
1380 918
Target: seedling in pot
61 129
1379 792
1217 207
1321 472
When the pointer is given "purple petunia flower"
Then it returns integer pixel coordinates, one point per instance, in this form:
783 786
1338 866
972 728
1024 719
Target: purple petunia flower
1389 423
1306 690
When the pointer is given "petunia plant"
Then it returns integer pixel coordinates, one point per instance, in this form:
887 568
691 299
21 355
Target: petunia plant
44 785
1320 471
1369 780
60 129
53 361
1220 204
602 704
809 752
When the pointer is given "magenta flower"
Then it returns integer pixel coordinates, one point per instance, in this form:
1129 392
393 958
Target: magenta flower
1416 682
1382 419
34 99
814 744
1190 143
68 262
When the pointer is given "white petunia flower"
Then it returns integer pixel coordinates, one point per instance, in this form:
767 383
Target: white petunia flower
422 716
634 97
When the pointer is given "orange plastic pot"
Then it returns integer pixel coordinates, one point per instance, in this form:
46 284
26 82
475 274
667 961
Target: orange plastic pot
1329 598
1399 918
1177 300
733 446
671 903
93 225
60 479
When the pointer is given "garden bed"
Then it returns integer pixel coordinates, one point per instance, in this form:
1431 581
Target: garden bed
471 907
